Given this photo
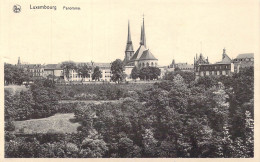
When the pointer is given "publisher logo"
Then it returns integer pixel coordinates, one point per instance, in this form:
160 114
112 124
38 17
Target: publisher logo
17 8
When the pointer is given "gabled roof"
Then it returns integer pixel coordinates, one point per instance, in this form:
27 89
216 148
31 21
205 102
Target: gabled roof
147 55
53 66
30 66
225 59
245 55
138 53
184 65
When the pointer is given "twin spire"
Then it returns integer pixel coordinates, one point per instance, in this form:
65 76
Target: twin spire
129 45
143 39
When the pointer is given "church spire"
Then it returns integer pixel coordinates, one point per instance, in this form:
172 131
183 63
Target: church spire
129 45
129 34
143 39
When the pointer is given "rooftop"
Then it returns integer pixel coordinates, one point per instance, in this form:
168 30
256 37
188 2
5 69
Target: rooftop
245 55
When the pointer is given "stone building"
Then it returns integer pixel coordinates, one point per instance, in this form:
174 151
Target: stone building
243 60
53 70
202 66
180 66
35 70
140 58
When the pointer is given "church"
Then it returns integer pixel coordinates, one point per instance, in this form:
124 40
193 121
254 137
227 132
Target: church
140 58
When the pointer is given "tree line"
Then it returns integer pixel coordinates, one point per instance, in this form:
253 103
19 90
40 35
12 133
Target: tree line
208 117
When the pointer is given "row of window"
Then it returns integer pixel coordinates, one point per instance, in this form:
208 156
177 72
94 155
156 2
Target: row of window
147 64
244 59
214 67
215 73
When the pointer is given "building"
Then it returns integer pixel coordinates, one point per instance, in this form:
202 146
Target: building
36 71
140 58
103 67
181 66
202 66
53 71
243 60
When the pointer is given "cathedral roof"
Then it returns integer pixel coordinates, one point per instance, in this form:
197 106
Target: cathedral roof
147 55
245 55
138 53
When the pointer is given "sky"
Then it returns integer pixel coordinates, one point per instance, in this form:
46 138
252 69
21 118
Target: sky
175 29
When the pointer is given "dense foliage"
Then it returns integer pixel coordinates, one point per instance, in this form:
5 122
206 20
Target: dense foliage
208 117
41 100
83 71
15 75
146 73
99 91
96 74
117 70
68 66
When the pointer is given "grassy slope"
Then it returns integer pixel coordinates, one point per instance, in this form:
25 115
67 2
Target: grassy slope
15 88
56 123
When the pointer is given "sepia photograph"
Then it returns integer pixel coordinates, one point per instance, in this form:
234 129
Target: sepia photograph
129 79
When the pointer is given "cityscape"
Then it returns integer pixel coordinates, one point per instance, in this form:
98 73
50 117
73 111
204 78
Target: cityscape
140 58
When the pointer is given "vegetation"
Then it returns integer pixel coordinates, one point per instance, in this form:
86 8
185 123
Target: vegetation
15 75
207 118
68 66
117 69
146 73
38 102
96 74
83 71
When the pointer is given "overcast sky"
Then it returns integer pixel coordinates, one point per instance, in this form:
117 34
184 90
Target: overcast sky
98 32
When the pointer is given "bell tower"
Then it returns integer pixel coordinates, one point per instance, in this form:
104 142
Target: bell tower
129 50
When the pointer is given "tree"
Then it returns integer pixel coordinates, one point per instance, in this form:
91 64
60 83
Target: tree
149 73
169 75
144 73
83 71
155 72
117 69
134 73
96 74
93 146
15 75
67 66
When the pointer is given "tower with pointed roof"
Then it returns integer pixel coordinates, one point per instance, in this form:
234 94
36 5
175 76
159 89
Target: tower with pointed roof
129 50
143 56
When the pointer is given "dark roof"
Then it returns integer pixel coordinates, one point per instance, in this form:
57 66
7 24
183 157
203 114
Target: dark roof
147 55
184 66
245 55
225 60
129 47
53 66
30 66
101 65
138 53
